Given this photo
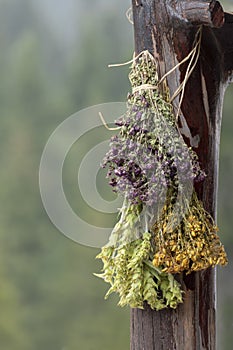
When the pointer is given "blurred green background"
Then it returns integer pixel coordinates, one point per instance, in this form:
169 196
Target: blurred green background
53 62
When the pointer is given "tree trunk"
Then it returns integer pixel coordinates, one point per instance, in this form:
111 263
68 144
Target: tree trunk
167 29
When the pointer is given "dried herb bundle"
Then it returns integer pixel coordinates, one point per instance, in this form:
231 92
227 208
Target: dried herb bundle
163 228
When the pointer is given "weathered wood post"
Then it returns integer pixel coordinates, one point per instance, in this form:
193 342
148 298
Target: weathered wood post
167 29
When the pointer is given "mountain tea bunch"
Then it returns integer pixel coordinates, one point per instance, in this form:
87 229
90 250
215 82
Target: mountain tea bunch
128 266
163 228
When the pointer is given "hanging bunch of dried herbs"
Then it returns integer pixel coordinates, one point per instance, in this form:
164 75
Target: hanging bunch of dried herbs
163 228
129 269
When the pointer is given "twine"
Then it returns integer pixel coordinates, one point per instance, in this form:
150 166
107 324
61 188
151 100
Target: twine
144 87
105 124
196 52
129 15
133 60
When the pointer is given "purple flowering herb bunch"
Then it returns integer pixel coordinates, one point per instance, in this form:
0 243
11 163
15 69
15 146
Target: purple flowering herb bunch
142 164
148 156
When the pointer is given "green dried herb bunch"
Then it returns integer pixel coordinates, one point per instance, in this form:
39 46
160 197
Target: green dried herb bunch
129 270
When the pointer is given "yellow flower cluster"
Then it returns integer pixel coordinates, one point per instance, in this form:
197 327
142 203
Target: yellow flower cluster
192 246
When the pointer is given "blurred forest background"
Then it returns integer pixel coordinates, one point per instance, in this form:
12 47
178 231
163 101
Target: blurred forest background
53 62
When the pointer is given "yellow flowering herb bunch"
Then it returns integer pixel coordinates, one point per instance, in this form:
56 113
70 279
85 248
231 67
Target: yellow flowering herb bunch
193 245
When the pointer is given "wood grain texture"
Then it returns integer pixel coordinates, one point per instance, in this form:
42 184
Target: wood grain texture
207 12
167 31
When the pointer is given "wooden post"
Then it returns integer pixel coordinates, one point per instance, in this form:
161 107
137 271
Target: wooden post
167 29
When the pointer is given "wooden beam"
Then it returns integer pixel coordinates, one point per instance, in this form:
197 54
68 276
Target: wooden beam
200 12
167 29
225 42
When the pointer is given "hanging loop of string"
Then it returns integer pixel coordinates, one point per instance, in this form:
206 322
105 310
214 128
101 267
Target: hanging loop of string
191 66
192 53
